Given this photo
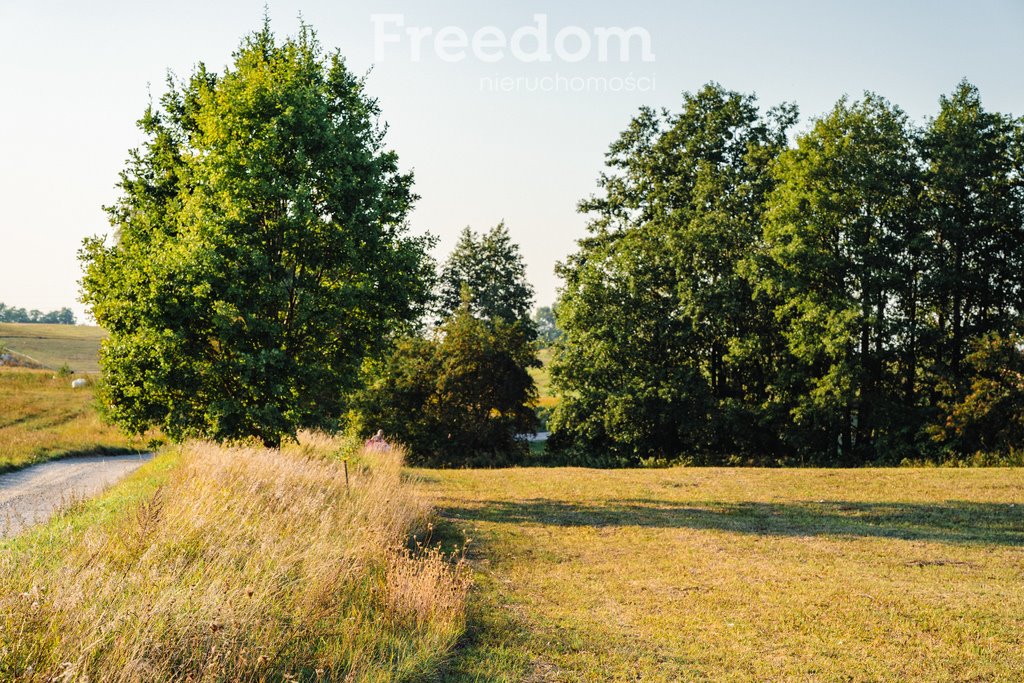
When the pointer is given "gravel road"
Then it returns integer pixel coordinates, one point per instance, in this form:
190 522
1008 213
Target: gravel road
32 495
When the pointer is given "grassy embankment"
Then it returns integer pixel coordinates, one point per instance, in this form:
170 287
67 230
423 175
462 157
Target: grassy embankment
740 574
234 564
41 416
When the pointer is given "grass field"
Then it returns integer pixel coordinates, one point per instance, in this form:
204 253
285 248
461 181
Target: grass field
542 378
54 345
217 564
42 417
740 574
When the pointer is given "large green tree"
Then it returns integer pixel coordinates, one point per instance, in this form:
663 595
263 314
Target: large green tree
844 239
665 351
975 207
260 249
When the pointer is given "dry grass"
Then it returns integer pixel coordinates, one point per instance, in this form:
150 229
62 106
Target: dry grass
234 564
54 345
41 418
740 574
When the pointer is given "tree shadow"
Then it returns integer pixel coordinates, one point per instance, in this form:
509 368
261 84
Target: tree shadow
948 522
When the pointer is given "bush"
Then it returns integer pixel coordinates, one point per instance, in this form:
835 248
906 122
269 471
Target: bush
459 398
988 421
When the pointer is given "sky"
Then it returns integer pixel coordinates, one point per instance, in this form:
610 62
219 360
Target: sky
491 130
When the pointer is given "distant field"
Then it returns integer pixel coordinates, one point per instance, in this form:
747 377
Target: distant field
55 345
542 377
42 417
740 574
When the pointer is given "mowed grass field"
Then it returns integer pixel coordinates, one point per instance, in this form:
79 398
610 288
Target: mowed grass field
42 417
739 574
54 345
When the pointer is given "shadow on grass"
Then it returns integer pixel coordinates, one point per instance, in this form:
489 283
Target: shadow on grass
494 646
949 522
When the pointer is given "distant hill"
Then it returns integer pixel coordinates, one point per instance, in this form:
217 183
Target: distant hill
52 346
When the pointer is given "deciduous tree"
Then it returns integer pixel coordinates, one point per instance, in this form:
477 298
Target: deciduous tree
260 249
491 268
665 351
460 396
844 240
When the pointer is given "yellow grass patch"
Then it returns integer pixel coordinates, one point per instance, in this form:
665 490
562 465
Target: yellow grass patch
741 574
54 345
42 417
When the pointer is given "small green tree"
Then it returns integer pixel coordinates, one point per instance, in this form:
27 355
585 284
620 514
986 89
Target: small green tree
458 398
491 267
260 252
546 324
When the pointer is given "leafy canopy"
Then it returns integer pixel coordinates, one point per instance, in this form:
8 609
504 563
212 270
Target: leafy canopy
842 299
260 251
491 268
664 350
459 397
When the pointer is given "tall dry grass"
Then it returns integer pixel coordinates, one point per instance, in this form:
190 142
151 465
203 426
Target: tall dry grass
246 565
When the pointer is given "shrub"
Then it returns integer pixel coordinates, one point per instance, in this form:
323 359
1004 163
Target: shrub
459 398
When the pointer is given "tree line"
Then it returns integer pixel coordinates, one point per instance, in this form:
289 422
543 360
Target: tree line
12 314
851 297
848 294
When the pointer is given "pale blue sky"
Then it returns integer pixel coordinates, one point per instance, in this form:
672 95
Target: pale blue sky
75 78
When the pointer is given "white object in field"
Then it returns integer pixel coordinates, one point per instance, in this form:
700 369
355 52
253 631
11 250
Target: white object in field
78 383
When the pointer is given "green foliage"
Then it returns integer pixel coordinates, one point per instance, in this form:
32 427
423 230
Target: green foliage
665 351
844 244
490 268
261 250
744 299
458 398
974 160
990 417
